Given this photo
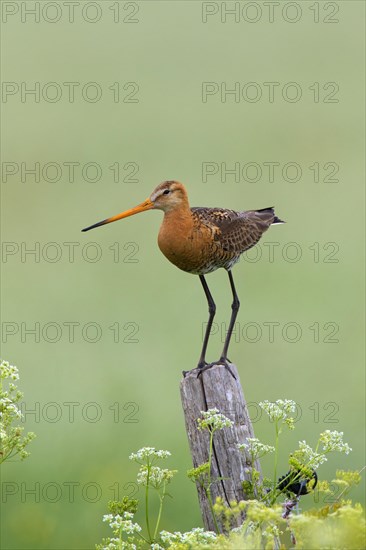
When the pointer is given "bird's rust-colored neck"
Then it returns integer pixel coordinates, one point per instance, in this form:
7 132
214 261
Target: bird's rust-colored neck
177 216
172 198
177 222
177 229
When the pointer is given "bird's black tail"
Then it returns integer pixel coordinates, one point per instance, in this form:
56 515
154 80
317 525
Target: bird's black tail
270 212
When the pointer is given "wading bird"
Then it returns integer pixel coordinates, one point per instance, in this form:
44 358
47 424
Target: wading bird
201 240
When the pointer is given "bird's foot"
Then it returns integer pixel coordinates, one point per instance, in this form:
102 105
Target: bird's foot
222 362
201 365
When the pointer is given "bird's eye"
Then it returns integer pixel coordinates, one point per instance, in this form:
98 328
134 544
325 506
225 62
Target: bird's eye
166 192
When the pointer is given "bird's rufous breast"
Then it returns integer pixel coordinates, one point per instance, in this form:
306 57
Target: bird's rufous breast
184 242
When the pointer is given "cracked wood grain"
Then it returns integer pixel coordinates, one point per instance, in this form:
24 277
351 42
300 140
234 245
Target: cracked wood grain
216 388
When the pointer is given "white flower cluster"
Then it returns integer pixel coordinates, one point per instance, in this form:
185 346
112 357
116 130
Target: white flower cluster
122 524
333 441
118 544
307 456
148 454
213 420
8 371
280 410
8 407
8 398
12 440
255 448
154 475
194 537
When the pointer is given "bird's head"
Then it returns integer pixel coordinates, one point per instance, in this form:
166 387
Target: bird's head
169 195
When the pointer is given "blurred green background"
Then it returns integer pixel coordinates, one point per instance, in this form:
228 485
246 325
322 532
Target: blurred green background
124 394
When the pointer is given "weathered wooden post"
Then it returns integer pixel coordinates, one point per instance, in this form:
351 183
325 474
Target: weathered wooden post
216 388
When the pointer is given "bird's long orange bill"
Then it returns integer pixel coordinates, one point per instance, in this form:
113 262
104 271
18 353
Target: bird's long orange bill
146 205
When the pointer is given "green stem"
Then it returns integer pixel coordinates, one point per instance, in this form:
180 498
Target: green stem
147 503
252 475
142 537
210 456
209 498
275 463
160 510
208 489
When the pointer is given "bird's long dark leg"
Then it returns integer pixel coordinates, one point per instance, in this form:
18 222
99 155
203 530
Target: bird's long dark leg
203 366
212 311
235 308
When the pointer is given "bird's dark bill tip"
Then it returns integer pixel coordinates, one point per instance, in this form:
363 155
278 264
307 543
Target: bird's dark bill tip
93 226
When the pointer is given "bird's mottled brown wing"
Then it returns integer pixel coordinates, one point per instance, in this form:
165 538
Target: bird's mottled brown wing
236 231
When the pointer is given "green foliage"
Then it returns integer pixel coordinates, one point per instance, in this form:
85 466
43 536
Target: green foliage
264 528
303 462
343 528
264 522
200 474
125 505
